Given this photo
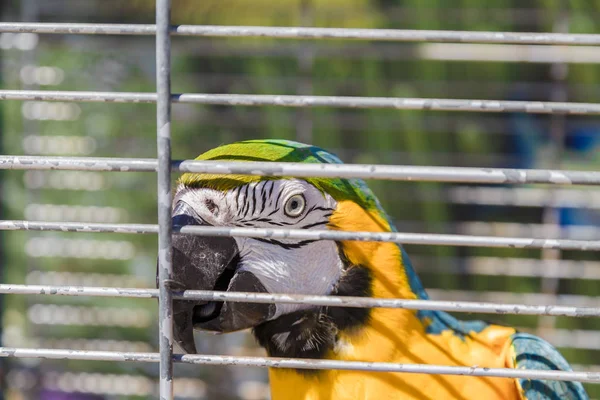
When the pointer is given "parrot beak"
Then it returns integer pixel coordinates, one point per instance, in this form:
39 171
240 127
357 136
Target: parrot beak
210 263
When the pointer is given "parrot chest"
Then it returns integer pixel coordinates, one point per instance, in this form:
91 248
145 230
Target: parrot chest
351 385
488 348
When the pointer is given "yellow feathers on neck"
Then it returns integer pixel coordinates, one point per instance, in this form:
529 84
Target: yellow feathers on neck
382 259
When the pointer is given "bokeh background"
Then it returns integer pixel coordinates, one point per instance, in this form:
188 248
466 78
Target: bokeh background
264 66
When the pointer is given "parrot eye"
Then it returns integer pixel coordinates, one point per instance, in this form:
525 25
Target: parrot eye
294 206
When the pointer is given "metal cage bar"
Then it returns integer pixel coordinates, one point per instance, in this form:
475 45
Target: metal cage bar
325 301
397 35
309 234
396 103
274 362
364 171
163 166
165 250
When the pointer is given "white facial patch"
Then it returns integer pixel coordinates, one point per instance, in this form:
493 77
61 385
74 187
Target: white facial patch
282 265
312 269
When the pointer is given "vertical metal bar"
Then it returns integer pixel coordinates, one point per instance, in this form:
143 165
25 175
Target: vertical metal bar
165 262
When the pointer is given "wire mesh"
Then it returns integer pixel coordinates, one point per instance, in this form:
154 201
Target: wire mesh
163 165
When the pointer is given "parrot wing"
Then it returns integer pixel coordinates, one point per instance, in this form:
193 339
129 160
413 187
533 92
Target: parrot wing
532 352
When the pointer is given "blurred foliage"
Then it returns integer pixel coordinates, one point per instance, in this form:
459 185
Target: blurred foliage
338 13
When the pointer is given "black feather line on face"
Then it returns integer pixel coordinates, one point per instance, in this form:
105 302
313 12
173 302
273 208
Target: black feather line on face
271 189
277 205
237 198
313 332
264 198
313 225
286 246
246 201
253 200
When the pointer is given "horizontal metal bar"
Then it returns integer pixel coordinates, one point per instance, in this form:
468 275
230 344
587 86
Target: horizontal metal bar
79 163
84 96
396 237
76 28
405 238
397 35
328 301
79 343
397 103
83 227
78 291
361 302
309 234
568 338
394 172
273 362
283 169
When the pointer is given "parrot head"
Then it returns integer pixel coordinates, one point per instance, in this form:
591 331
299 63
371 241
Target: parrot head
264 265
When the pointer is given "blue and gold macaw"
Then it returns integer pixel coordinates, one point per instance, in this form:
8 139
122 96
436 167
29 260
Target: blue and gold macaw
351 268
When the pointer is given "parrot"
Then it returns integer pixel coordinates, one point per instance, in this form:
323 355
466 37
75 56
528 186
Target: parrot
336 268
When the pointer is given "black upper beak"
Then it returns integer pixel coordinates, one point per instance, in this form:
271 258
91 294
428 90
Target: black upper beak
197 264
210 263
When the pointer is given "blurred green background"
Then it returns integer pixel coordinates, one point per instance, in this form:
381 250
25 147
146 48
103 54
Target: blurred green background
266 66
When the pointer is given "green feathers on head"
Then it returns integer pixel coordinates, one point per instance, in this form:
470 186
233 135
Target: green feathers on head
281 151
